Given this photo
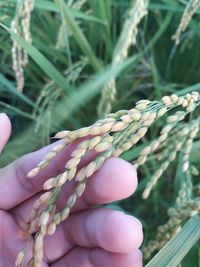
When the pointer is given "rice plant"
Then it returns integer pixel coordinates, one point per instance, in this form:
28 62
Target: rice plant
118 79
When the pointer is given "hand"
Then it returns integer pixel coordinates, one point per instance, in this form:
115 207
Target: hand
90 237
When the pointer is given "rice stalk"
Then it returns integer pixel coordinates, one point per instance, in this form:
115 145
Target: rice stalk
108 137
179 141
127 38
48 97
21 26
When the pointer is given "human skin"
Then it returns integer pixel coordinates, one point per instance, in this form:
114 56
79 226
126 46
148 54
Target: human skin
91 236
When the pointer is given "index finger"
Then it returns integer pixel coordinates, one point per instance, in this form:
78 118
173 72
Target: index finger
14 185
5 130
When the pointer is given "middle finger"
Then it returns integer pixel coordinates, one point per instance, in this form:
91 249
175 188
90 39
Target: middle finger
116 180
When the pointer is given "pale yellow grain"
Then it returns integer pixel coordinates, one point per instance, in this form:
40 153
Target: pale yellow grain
81 175
58 148
80 189
172 118
33 172
185 103
117 152
49 184
65 214
19 258
143 102
126 118
51 228
43 164
134 139
119 126
90 169
71 173
83 132
162 111
166 100
141 106
72 163
126 146
146 150
62 179
61 134
95 130
142 131
162 137
50 155
174 98
44 198
155 145
102 146
145 116
71 201
107 127
44 218
79 152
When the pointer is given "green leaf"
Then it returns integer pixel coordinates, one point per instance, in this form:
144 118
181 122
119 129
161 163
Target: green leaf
192 259
176 249
16 111
78 35
50 6
41 60
101 9
195 87
9 87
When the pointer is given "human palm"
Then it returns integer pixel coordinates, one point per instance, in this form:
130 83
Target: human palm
91 236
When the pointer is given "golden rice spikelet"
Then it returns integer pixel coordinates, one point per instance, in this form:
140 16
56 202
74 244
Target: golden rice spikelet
51 228
90 169
50 183
38 249
62 134
109 137
21 26
33 172
156 176
162 111
167 100
189 11
44 218
19 258
119 126
127 38
142 131
62 179
188 146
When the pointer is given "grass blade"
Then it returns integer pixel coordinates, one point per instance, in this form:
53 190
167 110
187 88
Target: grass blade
41 60
78 35
101 9
176 249
16 111
50 6
11 88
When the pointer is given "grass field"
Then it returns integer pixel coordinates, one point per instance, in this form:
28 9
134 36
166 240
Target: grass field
76 61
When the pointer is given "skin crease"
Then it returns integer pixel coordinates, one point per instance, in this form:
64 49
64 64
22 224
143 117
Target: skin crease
90 237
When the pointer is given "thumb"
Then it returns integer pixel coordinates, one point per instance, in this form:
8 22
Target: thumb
5 130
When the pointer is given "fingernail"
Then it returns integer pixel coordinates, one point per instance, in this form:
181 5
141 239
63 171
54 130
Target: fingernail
138 221
3 114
